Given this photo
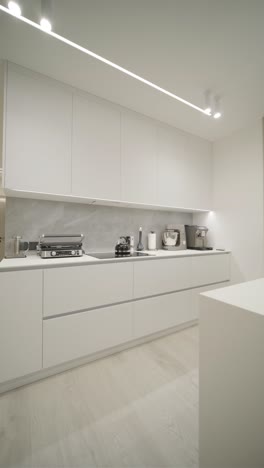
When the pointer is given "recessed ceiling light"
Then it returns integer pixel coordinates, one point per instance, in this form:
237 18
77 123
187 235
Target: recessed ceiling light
14 8
105 61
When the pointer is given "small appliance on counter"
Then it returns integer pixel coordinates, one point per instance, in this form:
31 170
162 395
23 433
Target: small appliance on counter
123 246
20 248
197 237
173 238
60 245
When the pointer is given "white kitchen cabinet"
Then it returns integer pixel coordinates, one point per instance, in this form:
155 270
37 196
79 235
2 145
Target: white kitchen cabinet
139 159
208 269
78 288
38 133
78 335
184 170
162 312
20 323
96 166
161 276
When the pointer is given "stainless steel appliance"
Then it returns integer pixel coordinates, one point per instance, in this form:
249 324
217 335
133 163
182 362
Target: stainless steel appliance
197 237
123 246
105 255
173 238
60 245
2 219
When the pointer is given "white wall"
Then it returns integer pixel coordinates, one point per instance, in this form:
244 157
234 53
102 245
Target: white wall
237 220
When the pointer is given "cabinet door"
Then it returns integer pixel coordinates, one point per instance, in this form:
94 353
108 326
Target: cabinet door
71 289
162 312
172 173
208 269
139 159
38 134
20 323
160 276
96 166
184 170
74 336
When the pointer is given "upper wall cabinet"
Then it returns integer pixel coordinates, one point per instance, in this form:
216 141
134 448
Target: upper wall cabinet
37 133
139 159
95 149
184 170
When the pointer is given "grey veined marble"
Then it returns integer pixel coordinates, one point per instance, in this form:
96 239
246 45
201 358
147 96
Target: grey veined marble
101 225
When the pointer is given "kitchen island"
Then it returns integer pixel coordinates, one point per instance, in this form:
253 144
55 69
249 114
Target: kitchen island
232 376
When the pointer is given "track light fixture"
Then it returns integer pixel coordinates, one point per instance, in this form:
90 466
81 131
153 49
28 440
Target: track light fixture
45 20
45 25
208 102
14 8
217 108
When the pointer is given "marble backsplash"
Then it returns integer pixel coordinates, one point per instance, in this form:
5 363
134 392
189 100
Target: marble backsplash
101 225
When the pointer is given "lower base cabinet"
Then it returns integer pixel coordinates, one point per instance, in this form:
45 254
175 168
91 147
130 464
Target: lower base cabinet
20 324
161 312
78 335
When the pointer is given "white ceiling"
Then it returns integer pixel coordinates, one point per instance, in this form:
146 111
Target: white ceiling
184 46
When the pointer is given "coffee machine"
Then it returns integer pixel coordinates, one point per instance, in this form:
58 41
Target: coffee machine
196 237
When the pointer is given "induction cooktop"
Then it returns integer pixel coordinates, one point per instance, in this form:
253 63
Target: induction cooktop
105 255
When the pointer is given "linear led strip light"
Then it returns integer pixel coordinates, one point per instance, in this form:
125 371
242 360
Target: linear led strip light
16 13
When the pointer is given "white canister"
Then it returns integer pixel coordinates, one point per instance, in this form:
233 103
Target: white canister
152 240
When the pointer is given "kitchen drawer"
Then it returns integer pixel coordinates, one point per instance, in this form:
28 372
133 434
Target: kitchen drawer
78 288
77 335
208 269
196 295
159 313
161 276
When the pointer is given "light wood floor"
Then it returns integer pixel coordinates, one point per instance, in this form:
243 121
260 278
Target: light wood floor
136 409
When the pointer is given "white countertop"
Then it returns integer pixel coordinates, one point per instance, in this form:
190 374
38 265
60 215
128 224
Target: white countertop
248 296
33 261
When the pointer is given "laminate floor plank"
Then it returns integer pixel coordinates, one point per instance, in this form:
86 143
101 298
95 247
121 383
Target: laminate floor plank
135 409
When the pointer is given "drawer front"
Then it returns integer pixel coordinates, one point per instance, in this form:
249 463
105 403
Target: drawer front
208 269
159 313
78 335
78 288
196 295
161 276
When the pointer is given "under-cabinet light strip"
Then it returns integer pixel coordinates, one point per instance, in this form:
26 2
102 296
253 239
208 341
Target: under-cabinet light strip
102 59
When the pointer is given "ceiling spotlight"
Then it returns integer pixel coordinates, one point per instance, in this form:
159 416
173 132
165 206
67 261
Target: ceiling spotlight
45 24
217 109
208 102
45 15
14 8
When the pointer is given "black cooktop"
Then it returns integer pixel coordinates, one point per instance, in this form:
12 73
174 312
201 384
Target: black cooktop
103 255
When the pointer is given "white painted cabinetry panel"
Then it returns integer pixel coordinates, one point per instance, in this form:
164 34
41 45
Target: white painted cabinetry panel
77 335
208 269
157 277
71 289
96 160
196 296
139 159
184 170
159 313
38 133
20 323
